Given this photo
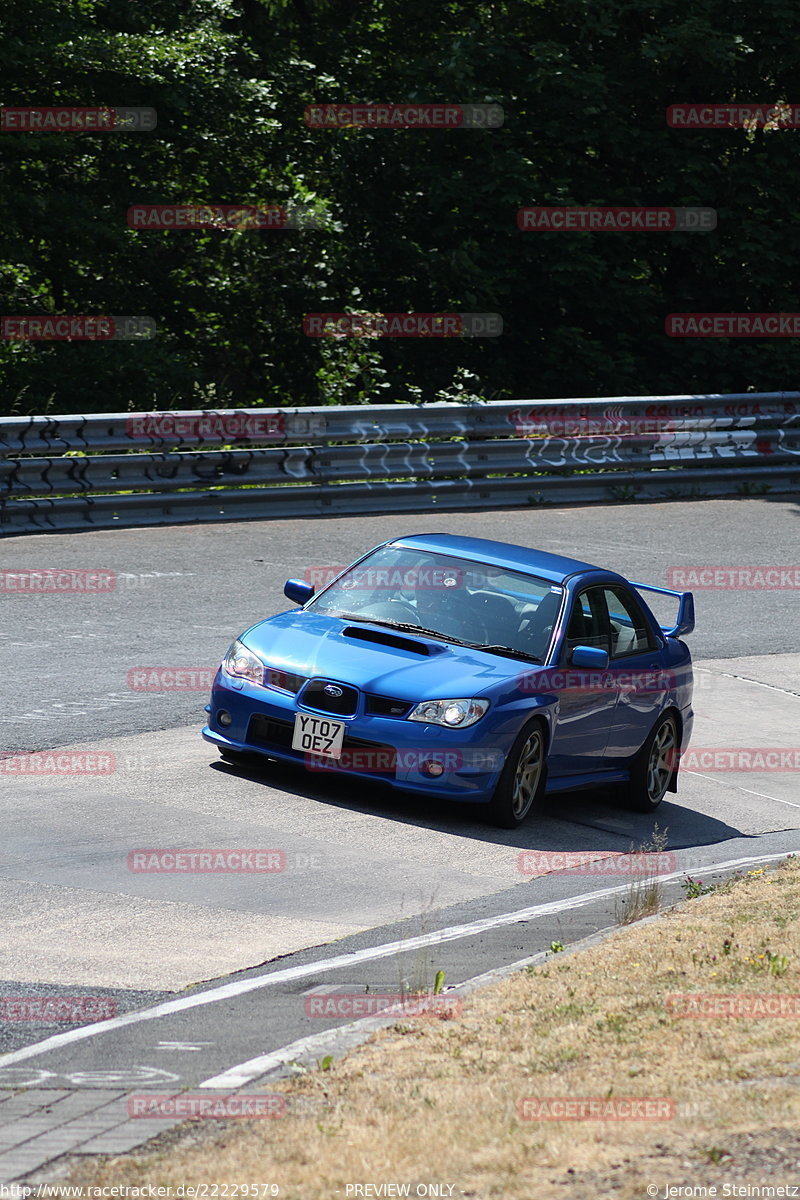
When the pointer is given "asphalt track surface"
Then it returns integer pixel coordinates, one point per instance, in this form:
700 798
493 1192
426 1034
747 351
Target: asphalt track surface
380 891
184 592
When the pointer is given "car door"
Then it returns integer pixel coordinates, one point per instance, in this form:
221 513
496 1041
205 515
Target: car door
640 683
586 698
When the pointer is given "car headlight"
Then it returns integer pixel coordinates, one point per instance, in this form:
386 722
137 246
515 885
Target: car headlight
452 713
242 662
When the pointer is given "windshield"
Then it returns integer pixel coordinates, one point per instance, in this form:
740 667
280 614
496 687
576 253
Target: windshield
457 599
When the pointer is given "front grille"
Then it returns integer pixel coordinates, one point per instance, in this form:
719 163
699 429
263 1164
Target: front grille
386 706
358 754
315 696
266 731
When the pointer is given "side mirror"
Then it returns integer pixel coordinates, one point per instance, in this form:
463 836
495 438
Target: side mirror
589 656
298 590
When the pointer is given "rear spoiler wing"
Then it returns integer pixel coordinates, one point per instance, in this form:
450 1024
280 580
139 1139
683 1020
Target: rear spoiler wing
685 622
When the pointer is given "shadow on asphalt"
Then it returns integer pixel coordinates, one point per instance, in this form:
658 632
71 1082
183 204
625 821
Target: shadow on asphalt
592 809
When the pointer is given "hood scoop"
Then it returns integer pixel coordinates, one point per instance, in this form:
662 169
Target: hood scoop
385 637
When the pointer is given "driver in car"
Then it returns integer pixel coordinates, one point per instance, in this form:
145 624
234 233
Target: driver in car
444 602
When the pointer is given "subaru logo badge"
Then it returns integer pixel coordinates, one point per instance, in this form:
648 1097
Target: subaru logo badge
331 689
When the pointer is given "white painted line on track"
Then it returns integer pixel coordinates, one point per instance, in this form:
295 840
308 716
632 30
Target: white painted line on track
346 1036
436 937
739 788
315 1043
341 1038
352 1034
240 987
773 687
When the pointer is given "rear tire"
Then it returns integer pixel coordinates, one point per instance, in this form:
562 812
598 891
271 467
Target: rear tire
522 780
654 766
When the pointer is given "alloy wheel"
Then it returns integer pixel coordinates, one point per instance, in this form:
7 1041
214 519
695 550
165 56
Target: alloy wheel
529 770
661 763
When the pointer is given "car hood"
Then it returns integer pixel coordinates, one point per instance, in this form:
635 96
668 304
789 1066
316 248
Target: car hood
315 645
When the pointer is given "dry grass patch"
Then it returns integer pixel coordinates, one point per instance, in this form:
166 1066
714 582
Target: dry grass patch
437 1101
645 895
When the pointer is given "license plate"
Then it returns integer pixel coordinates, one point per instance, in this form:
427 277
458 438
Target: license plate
318 735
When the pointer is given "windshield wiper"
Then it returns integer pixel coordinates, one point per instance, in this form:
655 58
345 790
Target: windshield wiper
408 627
510 650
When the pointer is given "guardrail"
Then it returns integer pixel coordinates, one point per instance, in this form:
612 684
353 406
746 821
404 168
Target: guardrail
100 471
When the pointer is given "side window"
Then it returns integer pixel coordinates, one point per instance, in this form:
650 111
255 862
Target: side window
629 633
588 624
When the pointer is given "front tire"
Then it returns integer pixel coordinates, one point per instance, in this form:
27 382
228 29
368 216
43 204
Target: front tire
522 780
654 766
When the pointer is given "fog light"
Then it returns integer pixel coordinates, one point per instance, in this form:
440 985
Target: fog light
432 768
224 718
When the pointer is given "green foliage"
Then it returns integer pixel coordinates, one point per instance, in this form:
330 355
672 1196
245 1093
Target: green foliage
773 964
411 220
694 888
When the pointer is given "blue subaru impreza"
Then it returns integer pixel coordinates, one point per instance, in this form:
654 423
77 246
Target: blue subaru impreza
468 670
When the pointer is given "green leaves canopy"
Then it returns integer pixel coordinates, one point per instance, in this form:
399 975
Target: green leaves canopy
414 220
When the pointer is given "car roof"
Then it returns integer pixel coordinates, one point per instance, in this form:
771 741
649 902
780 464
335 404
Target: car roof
553 567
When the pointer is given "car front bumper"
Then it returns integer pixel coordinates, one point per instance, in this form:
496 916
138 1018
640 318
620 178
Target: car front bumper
394 751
